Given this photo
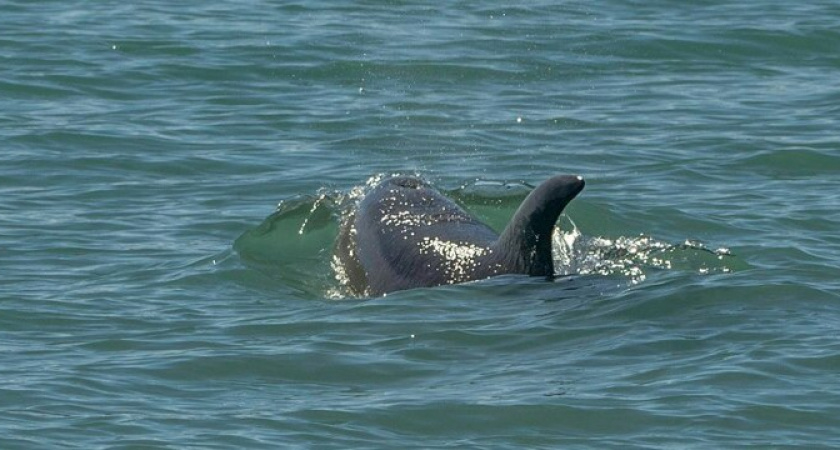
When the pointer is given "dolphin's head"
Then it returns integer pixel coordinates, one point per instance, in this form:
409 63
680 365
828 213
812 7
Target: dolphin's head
406 182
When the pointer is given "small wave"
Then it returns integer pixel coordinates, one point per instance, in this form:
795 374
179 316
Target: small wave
634 256
295 244
792 163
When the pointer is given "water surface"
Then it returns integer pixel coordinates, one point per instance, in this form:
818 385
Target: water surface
143 145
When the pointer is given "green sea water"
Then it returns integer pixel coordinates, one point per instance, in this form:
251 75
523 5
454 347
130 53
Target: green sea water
154 295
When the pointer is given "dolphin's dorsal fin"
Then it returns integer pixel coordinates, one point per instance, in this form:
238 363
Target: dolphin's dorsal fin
525 245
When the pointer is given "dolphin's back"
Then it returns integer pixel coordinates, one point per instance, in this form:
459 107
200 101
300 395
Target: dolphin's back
409 235
405 234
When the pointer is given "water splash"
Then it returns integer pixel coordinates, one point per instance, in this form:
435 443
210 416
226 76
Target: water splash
296 243
632 256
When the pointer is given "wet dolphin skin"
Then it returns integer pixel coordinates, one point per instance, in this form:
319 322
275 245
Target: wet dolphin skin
405 234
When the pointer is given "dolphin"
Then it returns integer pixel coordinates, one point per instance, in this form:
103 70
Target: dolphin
404 234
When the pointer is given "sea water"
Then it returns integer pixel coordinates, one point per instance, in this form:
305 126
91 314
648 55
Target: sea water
154 295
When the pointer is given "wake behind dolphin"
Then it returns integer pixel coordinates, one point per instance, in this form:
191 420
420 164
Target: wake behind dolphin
405 234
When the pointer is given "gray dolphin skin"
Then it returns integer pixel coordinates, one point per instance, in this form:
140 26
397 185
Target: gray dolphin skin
405 234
